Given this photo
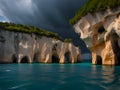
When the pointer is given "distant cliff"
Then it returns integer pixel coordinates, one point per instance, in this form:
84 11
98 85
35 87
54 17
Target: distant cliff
29 47
101 32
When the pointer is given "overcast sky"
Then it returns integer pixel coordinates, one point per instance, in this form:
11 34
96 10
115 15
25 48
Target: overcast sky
52 15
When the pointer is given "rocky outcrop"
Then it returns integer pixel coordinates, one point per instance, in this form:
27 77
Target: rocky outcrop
16 47
101 33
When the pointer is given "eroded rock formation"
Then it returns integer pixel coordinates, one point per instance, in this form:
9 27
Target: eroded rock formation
101 33
18 47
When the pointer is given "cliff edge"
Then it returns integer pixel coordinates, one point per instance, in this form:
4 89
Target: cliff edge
22 46
101 32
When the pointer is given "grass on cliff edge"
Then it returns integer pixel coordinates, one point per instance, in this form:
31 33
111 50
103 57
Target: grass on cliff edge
94 6
30 30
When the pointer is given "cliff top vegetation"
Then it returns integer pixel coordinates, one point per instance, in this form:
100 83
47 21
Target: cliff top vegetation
27 29
31 30
92 6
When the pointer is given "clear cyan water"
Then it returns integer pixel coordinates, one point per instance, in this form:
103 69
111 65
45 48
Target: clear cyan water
83 76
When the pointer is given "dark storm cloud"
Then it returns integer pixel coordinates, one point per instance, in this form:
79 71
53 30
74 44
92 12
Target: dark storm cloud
52 15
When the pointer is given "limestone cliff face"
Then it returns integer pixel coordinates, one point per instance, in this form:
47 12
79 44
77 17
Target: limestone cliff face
18 47
101 33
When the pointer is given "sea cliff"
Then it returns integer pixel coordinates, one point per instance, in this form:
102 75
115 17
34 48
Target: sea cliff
101 32
20 47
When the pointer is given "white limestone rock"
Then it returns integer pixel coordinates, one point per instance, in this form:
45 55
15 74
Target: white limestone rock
21 47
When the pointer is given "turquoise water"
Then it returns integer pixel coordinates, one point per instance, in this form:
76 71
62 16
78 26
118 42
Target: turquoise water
59 77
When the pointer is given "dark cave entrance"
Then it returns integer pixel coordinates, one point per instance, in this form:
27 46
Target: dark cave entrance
14 59
24 60
67 57
101 30
55 56
36 57
117 59
98 60
115 47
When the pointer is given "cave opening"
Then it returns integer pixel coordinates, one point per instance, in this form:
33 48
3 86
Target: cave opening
24 60
55 56
14 59
67 57
101 30
117 58
98 60
36 57
117 54
116 48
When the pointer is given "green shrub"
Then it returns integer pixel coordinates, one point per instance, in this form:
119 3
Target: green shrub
68 40
28 29
93 6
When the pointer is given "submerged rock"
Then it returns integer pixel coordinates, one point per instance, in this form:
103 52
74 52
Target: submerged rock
16 47
101 33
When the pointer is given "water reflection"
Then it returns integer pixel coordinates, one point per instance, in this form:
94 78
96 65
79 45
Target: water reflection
106 77
59 77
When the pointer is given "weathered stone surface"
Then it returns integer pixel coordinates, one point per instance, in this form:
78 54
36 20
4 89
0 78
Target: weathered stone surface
18 47
101 33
